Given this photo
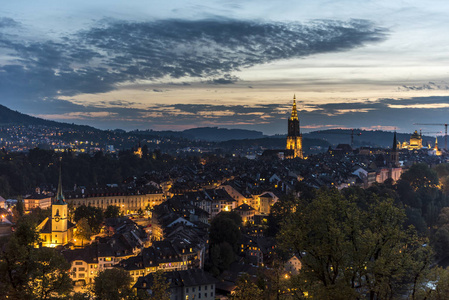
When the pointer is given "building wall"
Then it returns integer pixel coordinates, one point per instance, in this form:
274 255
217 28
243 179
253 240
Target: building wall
43 203
236 195
129 204
199 292
81 270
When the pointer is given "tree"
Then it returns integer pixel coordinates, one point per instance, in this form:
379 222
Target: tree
113 284
346 249
246 289
222 255
420 175
112 211
225 228
18 209
49 274
93 215
140 212
32 273
160 286
83 231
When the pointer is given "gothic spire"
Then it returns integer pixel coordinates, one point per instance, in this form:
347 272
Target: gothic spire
59 199
395 142
294 115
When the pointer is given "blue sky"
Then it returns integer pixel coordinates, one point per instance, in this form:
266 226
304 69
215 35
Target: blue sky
236 64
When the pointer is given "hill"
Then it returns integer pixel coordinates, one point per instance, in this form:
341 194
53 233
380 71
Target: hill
9 117
215 134
367 138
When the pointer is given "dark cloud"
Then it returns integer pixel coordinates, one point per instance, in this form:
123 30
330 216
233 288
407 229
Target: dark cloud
96 59
118 103
428 86
226 79
8 22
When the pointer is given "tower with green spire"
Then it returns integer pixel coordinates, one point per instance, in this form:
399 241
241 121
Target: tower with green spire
294 136
59 215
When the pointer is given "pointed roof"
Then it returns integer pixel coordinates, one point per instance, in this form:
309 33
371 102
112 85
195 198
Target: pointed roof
395 142
60 199
294 115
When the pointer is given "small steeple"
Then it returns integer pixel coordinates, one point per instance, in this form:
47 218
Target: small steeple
59 199
436 143
395 142
294 115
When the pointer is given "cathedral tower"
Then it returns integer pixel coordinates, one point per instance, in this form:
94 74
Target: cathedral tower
294 137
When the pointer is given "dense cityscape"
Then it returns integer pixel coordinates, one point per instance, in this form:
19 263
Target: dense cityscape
143 224
224 150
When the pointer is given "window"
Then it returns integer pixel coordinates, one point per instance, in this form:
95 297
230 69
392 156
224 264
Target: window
78 263
187 290
81 275
205 287
199 288
81 269
199 295
193 289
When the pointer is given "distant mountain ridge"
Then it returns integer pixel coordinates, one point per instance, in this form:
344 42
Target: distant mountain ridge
215 134
374 138
367 138
12 117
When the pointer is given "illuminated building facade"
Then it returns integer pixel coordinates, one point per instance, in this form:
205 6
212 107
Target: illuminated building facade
129 203
294 137
415 141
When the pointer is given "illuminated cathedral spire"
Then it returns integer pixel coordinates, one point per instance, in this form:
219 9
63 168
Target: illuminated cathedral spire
294 115
294 137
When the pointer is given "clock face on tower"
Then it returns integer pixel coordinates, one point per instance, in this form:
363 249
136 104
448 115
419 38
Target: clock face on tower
57 219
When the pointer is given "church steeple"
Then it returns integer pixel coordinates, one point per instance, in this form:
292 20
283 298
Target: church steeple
59 199
294 115
394 154
395 142
294 138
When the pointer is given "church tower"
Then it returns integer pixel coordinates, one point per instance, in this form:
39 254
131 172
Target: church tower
394 154
59 214
294 137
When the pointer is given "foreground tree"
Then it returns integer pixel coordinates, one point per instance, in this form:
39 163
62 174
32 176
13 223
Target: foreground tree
348 251
160 287
50 275
112 284
32 273
246 289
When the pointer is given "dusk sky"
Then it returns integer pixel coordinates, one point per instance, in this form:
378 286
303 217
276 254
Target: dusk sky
371 64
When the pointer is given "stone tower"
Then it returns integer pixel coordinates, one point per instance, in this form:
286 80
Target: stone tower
294 137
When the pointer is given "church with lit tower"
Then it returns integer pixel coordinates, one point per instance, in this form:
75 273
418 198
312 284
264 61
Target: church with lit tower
56 230
294 136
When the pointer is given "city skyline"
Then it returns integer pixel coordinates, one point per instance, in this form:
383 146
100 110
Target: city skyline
232 64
